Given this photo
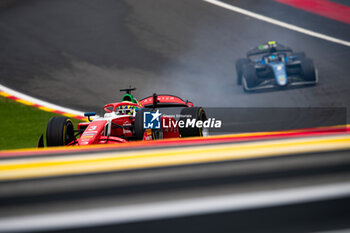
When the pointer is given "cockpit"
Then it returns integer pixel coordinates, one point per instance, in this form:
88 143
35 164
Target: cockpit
125 110
273 58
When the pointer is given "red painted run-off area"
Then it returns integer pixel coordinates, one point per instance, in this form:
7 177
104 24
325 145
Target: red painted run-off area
311 132
325 8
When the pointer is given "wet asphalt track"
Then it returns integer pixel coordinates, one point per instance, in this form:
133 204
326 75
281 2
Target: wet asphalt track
80 53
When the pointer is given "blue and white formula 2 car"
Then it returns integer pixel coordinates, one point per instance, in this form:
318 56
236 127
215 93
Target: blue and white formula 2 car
273 65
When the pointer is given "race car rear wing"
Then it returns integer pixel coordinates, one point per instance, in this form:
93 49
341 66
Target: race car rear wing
258 50
159 101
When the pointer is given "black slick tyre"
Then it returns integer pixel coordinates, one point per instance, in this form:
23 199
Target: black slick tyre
308 72
299 55
59 131
196 113
249 74
139 130
239 69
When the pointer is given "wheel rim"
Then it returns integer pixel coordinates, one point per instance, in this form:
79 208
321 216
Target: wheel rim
68 133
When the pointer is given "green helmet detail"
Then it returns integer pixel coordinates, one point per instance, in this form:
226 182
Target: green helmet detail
130 98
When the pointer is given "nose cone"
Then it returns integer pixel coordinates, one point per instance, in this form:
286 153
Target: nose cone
92 133
279 70
282 80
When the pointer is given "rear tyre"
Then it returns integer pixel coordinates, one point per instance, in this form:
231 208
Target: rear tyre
299 55
197 113
59 131
308 69
239 69
249 75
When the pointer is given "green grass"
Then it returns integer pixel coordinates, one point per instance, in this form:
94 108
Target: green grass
22 125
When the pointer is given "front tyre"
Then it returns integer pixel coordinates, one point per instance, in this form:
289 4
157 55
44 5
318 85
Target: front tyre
250 77
308 72
240 63
59 131
196 113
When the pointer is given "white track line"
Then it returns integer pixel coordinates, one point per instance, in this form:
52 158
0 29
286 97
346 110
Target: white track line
39 102
277 22
174 208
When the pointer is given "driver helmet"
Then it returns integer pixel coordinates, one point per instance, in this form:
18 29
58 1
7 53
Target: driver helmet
272 46
129 98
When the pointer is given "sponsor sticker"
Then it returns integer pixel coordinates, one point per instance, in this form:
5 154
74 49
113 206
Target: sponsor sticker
88 134
92 127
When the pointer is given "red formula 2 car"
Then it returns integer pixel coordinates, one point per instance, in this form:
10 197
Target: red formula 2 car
125 121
